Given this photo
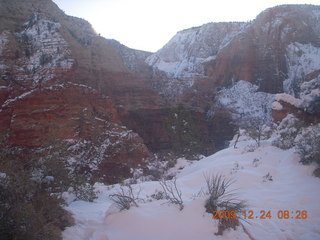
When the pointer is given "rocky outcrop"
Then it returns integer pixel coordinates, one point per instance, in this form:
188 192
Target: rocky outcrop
261 52
258 54
65 111
56 75
286 104
182 60
278 52
79 115
183 56
62 81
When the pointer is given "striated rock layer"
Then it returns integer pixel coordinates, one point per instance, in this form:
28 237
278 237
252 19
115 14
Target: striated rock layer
57 77
59 80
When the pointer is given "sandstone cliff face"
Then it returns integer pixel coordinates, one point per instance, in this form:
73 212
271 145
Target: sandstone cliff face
259 54
222 53
47 95
61 81
278 52
181 62
183 55
79 116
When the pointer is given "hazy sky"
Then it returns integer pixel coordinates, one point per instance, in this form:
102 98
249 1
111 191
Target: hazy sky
149 24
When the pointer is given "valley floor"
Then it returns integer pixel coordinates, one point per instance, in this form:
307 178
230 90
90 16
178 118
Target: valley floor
267 178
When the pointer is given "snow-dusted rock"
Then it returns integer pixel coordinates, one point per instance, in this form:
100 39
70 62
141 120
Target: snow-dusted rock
184 54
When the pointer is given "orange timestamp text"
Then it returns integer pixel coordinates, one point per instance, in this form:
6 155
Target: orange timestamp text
262 214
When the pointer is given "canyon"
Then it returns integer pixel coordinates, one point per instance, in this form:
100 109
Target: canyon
61 81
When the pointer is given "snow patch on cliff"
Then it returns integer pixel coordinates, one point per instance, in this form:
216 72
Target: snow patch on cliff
45 51
243 100
302 59
183 56
288 99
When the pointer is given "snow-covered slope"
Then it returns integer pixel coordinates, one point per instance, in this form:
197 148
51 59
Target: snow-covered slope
183 55
268 179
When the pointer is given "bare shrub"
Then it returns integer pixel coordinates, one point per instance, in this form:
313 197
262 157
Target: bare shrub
85 192
125 197
158 195
171 192
222 199
256 128
159 163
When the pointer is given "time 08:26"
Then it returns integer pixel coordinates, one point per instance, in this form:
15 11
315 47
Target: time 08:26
280 214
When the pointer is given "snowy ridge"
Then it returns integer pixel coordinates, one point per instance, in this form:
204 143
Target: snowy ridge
288 99
11 100
183 55
269 179
54 87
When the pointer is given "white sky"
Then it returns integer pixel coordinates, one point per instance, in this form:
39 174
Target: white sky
150 24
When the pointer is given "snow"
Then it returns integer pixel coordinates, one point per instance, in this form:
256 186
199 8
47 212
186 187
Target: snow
302 59
288 99
50 88
90 154
292 188
3 175
310 92
11 100
181 164
243 99
47 40
44 51
183 55
277 106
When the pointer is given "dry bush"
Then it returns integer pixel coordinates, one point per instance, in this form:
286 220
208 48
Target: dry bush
125 197
171 192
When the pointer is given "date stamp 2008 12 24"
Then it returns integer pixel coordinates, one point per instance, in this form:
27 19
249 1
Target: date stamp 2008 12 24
262 214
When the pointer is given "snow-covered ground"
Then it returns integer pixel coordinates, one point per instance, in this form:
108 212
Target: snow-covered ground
268 179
